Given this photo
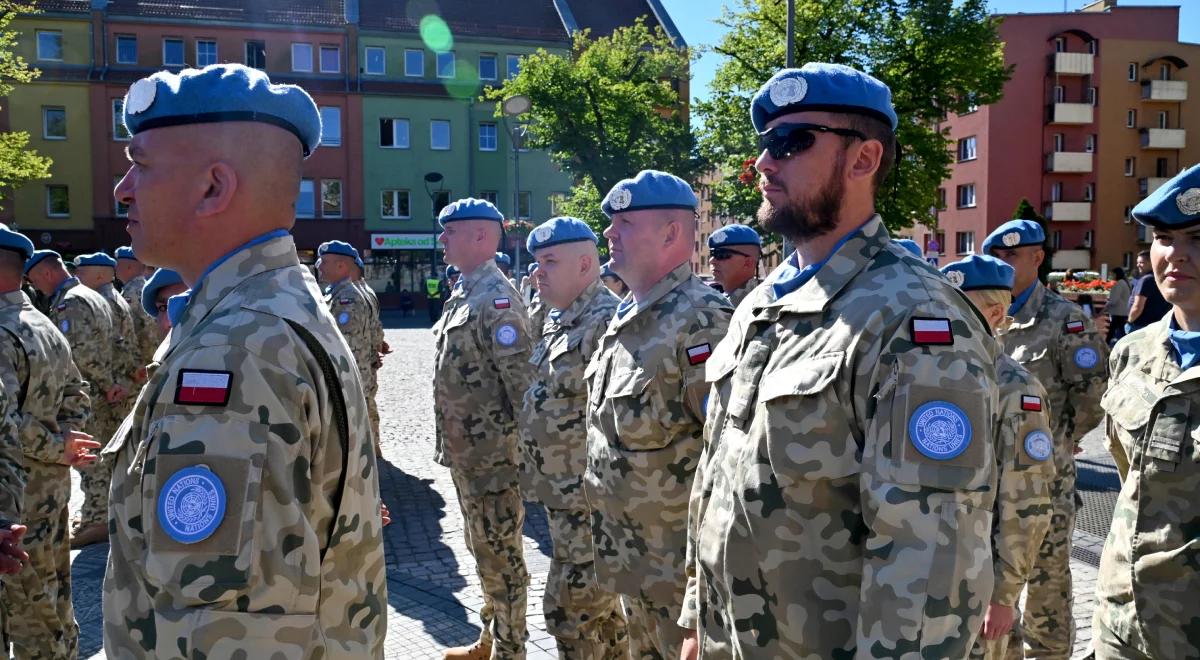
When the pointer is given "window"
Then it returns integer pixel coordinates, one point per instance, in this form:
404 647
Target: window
120 210
1056 191
126 49
54 123
966 148
1131 72
1128 215
1091 95
119 132
1060 44
172 52
514 65
206 52
1089 192
58 202
1059 94
331 198
487 67
331 126
439 135
394 205
331 59
489 196
302 57
414 63
376 57
966 196
1127 261
1129 163
964 242
1059 142
556 204
487 137
441 200
256 55
1092 46
1131 119
1162 118
306 203
1087 238
49 45
445 65
1160 168
935 243
524 202
1164 72
393 133
1056 240
941 199
1089 145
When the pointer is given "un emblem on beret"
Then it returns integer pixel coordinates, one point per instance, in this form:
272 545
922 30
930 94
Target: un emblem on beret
939 430
191 504
956 277
1038 445
140 96
542 234
787 91
1010 239
621 199
1188 201
718 239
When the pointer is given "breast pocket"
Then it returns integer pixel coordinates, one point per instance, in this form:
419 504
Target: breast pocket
1128 409
636 410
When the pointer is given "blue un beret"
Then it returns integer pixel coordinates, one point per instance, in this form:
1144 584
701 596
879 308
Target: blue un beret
1175 205
910 245
607 271
731 235
161 279
220 93
451 271
38 257
503 259
824 87
342 248
95 259
470 209
556 231
15 241
650 189
1014 233
978 272
125 252
531 268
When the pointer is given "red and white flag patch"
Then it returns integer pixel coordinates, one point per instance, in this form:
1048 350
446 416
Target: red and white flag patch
698 354
199 387
502 303
1075 326
931 332
1031 403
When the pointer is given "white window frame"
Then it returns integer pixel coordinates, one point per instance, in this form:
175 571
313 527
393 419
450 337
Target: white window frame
1132 72
367 60
495 66
1091 95
449 135
324 123
961 194
395 195
967 149
182 51
1130 165
1092 48
395 143
407 71
1056 191
1164 71
298 59
126 37
1060 44
437 64
312 184
970 242
54 33
1089 144
246 52
517 205
118 121
1131 118
1060 142
46 109
337 51
491 196
495 136
215 52
1056 240
341 196
1059 94
49 212
1164 118
1089 192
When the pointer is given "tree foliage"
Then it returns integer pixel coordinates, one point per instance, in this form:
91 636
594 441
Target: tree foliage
18 163
938 56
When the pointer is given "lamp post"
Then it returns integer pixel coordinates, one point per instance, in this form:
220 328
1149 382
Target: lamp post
514 107
432 178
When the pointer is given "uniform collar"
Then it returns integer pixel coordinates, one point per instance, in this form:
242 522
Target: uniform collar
744 288
337 286
468 280
63 287
671 281
848 259
1029 310
566 318
14 297
1185 345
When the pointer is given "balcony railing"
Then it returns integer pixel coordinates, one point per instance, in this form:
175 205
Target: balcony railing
1073 64
1149 184
1068 211
1163 138
1071 113
1068 162
1164 90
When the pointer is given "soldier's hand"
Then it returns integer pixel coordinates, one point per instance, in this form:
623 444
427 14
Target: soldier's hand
115 394
997 621
77 449
385 514
11 555
385 348
690 649
1101 322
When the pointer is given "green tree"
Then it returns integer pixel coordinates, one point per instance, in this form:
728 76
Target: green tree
18 163
937 56
607 109
1025 211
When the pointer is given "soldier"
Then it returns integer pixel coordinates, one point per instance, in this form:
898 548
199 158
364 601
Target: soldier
1148 580
1052 338
646 405
130 272
847 487
96 272
1024 450
86 319
734 251
537 306
504 263
12 487
245 495
481 373
585 620
160 287
36 366
380 349
613 281
452 275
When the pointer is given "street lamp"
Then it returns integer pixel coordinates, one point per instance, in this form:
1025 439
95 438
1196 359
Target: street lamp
515 107
432 178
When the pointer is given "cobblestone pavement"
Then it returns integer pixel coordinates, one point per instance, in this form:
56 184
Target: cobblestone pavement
433 591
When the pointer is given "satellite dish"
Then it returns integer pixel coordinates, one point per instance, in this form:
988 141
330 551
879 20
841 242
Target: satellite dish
433 177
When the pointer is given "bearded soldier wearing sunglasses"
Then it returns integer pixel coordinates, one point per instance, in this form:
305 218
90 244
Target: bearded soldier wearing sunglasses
842 506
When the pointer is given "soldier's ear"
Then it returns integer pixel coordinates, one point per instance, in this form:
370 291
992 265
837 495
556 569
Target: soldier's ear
220 185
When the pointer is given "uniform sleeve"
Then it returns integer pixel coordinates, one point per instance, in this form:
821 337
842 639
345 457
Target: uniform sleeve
1083 357
927 489
12 469
505 336
87 336
127 358
708 331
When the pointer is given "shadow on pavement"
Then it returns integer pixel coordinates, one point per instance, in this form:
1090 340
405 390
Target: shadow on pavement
87 576
537 528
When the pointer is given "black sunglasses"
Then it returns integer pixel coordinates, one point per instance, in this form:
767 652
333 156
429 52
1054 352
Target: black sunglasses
787 140
721 254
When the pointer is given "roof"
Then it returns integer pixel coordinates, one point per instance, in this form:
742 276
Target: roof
521 19
281 12
604 17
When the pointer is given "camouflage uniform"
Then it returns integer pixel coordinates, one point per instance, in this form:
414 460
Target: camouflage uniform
823 529
537 317
37 367
646 394
352 311
12 469
480 376
284 574
145 326
1022 514
1052 338
739 294
1148 581
585 620
371 386
86 318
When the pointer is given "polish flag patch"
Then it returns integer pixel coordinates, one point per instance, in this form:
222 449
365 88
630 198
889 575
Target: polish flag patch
698 354
1031 403
203 388
931 332
1074 327
502 303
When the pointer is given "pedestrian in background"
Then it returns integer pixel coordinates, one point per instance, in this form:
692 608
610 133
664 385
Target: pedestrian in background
1118 305
1146 304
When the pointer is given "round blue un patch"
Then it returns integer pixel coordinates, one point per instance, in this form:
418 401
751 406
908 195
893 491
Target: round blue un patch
1086 357
191 504
343 318
506 335
1038 445
939 430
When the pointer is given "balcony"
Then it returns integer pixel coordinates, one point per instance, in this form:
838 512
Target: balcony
1078 259
1074 64
1067 162
1071 113
1149 184
1164 90
1068 211
1163 138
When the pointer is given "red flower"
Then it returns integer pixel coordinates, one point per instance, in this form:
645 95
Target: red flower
748 175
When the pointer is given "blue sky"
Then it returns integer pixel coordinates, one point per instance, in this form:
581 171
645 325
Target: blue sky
694 18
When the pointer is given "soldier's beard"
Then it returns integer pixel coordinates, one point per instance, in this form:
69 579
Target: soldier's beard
807 219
